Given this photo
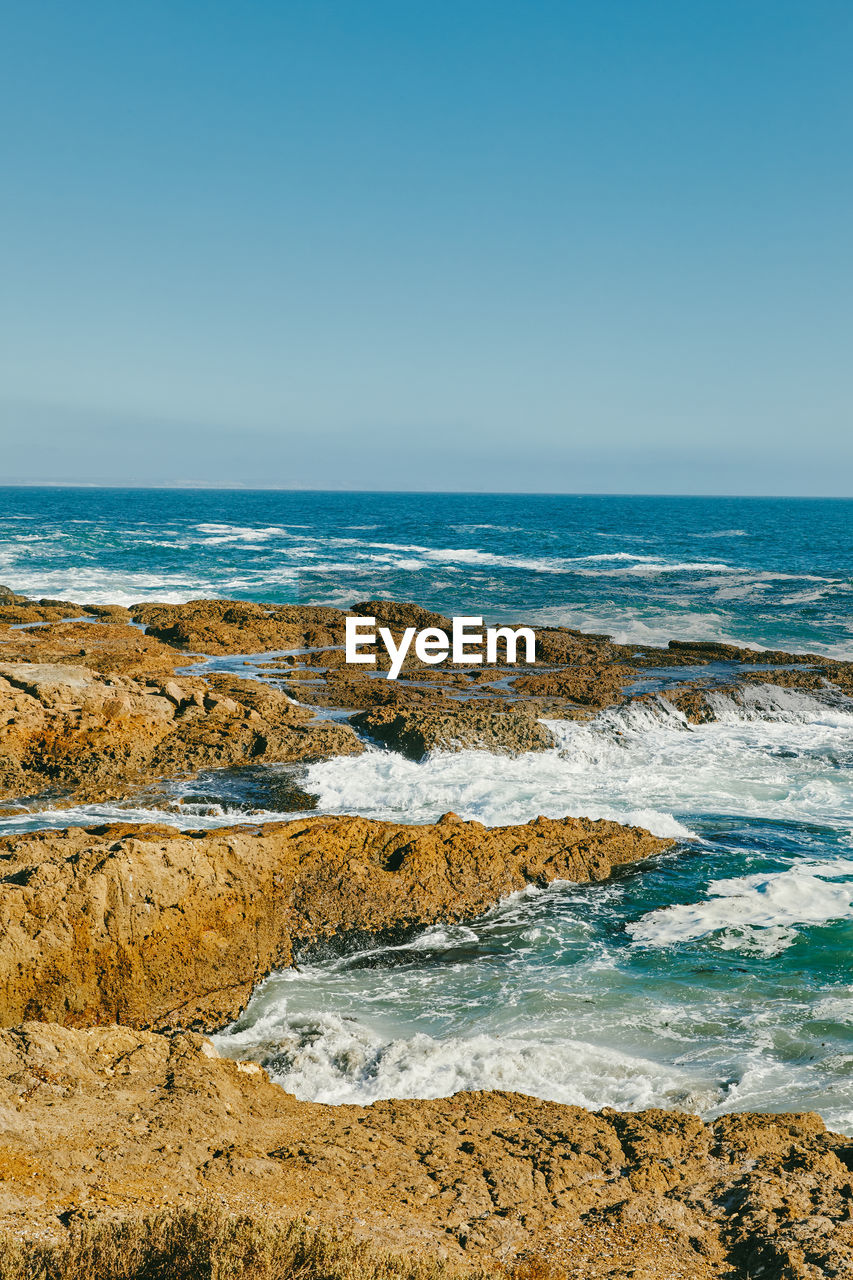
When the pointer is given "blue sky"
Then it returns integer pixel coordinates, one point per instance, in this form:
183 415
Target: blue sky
598 246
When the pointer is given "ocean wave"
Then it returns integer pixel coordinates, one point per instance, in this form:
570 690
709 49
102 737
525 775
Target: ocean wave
494 528
633 624
656 568
223 534
238 529
358 566
492 789
202 816
811 597
778 755
721 533
38 537
336 1059
635 565
774 756
470 556
655 628
109 586
770 703
745 907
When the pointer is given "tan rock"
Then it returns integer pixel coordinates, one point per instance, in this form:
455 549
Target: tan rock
110 1121
414 730
69 729
150 926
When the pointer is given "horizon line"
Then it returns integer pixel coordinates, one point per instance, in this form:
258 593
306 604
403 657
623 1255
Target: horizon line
202 487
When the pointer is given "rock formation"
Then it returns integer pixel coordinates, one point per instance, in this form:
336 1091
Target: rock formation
149 926
414 729
66 730
91 706
110 1121
164 931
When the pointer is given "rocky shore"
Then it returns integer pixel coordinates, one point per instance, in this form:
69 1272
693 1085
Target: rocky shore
121 943
98 701
152 927
110 1121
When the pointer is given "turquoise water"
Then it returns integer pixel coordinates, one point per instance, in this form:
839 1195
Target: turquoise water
716 977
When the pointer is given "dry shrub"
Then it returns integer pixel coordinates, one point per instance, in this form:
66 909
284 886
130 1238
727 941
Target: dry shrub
207 1243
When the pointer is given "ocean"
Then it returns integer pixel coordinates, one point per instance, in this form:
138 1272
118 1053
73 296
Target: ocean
715 977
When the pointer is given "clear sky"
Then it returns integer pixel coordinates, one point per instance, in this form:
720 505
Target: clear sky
431 244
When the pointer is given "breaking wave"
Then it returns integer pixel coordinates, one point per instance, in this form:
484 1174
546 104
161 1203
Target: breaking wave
760 908
775 755
333 1058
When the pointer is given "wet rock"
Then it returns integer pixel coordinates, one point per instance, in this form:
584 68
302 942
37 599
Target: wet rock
690 652
588 684
415 730
146 925
106 707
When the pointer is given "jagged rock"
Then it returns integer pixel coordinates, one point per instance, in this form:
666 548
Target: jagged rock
112 1121
589 684
149 926
240 626
397 615
455 726
66 729
127 713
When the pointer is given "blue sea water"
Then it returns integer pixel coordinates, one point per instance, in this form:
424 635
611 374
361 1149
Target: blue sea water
716 977
768 571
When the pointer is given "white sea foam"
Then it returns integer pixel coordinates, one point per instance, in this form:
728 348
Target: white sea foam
806 597
492 789
805 894
722 533
593 565
634 625
765 703
199 816
838 1007
639 625
223 534
754 940
108 586
336 1059
114 586
654 568
772 757
239 530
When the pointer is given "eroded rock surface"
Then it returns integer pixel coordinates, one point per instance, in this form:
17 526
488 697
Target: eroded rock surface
92 717
240 626
150 926
154 928
112 1121
68 730
414 730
